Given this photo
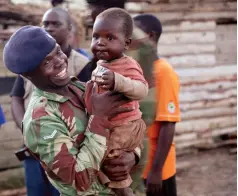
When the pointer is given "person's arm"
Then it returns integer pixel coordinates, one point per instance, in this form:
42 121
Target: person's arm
133 89
18 110
165 140
168 113
17 101
47 138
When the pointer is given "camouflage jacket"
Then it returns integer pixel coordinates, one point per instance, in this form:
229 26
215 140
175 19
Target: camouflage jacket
70 146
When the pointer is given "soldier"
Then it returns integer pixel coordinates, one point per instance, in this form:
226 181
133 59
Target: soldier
56 127
57 23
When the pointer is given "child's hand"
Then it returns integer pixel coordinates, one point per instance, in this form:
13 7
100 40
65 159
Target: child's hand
108 80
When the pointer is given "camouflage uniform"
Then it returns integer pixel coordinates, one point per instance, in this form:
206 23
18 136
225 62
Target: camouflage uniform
70 146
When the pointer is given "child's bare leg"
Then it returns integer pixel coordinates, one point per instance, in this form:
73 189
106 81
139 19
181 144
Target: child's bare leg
124 192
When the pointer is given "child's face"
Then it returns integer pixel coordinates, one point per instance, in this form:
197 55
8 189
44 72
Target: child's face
108 40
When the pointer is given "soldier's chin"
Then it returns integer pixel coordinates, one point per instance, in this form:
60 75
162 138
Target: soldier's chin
62 83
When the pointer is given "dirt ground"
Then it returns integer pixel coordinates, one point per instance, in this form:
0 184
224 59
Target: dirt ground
210 173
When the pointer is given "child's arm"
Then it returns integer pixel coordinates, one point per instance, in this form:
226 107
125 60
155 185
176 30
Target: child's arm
133 89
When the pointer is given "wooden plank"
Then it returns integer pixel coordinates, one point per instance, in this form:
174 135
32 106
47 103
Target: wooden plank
205 125
182 49
192 143
197 1
180 166
185 137
176 17
3 71
5 34
181 152
4 99
208 113
14 192
190 26
226 44
10 141
233 151
226 58
188 61
204 146
230 101
189 7
205 75
187 37
190 97
220 86
9 131
8 159
217 132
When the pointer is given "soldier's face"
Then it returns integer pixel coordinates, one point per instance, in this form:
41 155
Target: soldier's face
53 70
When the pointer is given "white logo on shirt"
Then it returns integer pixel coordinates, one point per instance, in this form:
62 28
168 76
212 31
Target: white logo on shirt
171 107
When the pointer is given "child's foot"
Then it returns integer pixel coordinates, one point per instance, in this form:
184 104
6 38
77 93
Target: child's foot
124 192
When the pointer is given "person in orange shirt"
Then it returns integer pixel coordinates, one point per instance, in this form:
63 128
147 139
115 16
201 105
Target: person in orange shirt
159 173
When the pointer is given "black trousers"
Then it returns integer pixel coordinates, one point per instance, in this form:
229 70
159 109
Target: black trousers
169 187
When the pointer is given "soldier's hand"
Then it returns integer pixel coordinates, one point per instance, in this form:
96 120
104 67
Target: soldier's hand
119 168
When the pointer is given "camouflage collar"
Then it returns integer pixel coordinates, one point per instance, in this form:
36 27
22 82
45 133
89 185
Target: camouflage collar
56 97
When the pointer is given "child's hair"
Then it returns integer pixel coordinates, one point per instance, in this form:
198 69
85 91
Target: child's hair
119 14
150 23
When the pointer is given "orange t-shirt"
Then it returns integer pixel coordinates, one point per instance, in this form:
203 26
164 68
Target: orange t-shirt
167 97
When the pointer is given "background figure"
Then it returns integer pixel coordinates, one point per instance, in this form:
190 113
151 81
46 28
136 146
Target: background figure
159 173
76 33
57 23
59 3
2 117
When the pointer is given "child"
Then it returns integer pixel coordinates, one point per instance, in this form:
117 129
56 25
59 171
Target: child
115 71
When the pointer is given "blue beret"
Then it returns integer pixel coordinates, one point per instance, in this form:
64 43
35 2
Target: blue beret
27 48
